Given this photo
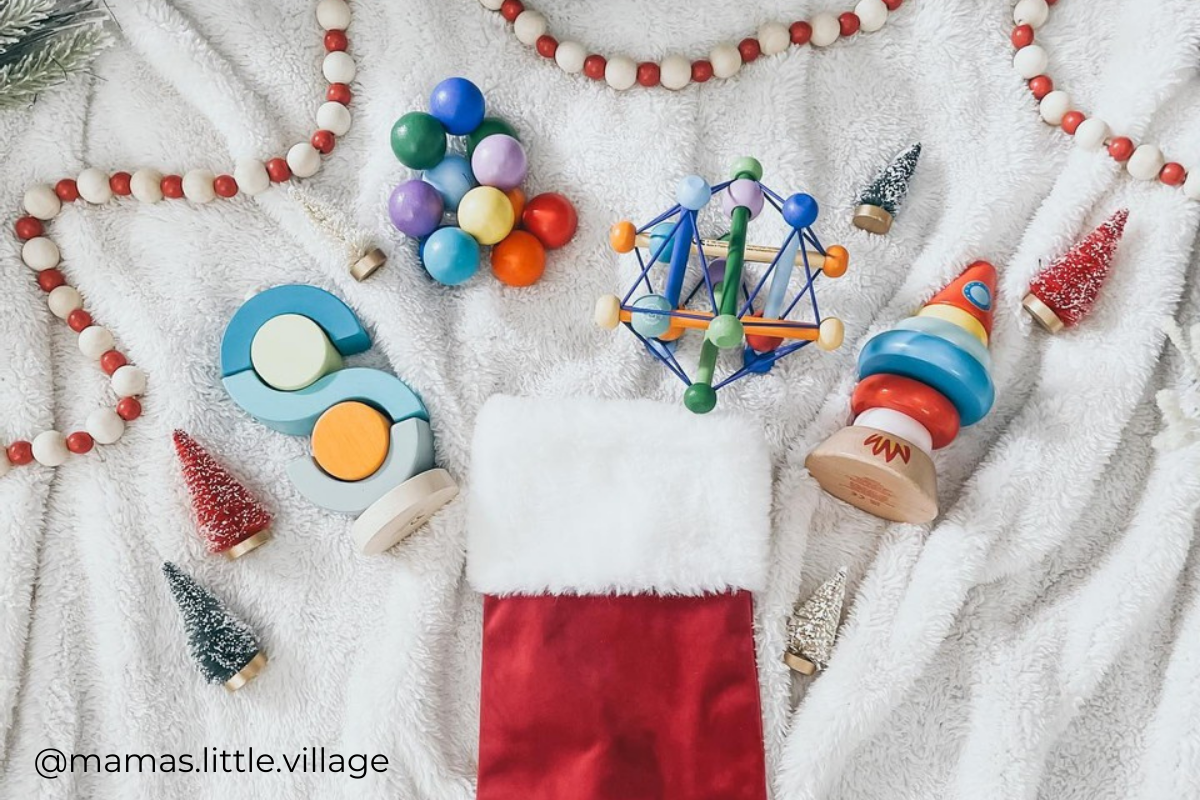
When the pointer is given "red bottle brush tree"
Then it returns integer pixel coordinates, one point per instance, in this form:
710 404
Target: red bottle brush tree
1065 292
230 519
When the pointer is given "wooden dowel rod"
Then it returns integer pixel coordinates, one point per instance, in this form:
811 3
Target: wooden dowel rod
698 320
759 254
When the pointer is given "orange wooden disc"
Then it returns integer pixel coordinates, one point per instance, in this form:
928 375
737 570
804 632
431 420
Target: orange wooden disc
350 441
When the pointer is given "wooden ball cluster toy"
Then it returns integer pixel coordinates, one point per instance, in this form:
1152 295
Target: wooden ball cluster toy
469 196
372 448
706 286
918 384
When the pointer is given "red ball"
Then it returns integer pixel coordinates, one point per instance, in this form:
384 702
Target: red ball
702 70
80 442
50 279
112 360
551 218
892 4
172 186
801 32
66 190
1041 86
225 185
324 141
78 319
1121 148
593 67
1071 121
278 170
849 22
1022 36
750 49
19 453
1172 174
119 183
648 73
128 408
338 93
335 40
511 9
547 46
29 227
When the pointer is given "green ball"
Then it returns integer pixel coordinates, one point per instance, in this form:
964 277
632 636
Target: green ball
725 331
700 398
489 126
419 140
747 164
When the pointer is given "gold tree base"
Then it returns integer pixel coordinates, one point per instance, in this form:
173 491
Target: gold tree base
872 219
878 472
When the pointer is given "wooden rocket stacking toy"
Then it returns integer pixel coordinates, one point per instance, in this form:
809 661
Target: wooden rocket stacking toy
918 383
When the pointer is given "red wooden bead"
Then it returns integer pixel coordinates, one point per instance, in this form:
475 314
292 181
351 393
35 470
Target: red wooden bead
225 185
511 9
66 190
50 279
78 319
119 183
278 170
1041 86
128 408
335 40
702 70
1172 173
547 46
892 4
172 186
648 73
323 141
593 67
338 93
801 32
1022 36
1071 121
19 453
80 442
926 405
849 22
750 49
29 227
1121 148
112 360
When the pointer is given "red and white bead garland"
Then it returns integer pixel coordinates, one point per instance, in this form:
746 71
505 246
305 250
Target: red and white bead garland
675 71
1144 162
43 202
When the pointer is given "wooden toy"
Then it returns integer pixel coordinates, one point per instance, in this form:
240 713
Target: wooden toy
519 260
485 212
917 384
419 140
451 255
551 218
458 105
290 352
489 127
453 179
350 440
402 511
1064 292
415 208
659 316
499 161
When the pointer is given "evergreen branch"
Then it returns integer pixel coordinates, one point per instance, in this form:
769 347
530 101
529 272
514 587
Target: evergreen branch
50 64
18 17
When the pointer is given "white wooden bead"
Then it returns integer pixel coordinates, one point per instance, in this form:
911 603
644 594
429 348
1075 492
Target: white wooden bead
105 425
774 38
146 185
40 253
620 72
675 72
251 175
1030 61
725 60
1145 163
41 202
50 448
93 186
1191 187
5 464
1033 13
825 29
872 14
338 67
491 5
333 15
528 26
63 300
198 185
1053 106
333 117
95 341
304 160
129 381
1091 133
570 57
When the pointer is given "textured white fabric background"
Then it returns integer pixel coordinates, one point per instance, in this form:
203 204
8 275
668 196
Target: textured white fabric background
1042 641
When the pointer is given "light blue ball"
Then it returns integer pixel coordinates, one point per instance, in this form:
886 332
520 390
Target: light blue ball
452 178
693 193
451 256
800 210
659 234
651 325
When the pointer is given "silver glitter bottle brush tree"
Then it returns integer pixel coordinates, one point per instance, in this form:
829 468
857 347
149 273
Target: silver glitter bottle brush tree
813 626
880 200
42 42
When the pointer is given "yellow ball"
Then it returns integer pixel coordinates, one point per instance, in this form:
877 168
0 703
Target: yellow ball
486 213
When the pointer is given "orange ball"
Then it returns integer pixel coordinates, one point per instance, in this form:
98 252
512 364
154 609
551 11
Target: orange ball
517 198
519 260
622 236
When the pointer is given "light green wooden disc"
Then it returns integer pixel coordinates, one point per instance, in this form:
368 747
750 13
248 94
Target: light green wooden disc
290 352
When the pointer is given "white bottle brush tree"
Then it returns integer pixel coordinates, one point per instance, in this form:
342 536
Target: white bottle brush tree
42 42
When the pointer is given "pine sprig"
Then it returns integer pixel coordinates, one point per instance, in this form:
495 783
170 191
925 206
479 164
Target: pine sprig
19 17
42 43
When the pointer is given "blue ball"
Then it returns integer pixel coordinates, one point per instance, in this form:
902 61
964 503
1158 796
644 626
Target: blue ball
452 178
458 105
800 210
451 256
659 234
651 325
693 193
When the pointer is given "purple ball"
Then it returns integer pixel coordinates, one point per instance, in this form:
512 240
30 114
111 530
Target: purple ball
499 161
416 208
743 192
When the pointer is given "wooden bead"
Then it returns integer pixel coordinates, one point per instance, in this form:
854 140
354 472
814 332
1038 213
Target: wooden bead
323 141
336 40
1121 148
225 186
94 186
112 361
80 442
749 49
66 190
725 60
491 5
50 279
528 27
333 117
620 72
1172 174
63 301
1071 122
1054 106
1030 61
279 170
50 448
40 253
40 202
546 46
801 32
198 186
1022 36
648 74
511 9
622 236
290 352
129 408
1145 163
28 227
1040 86
1091 133
350 441
1033 13
825 29
19 453
333 15
675 72
872 14
848 23
172 187
570 56
105 425
120 183
702 71
607 314
338 67
339 93
146 185
79 320
773 38
831 334
95 341
303 160
594 66
129 381
251 174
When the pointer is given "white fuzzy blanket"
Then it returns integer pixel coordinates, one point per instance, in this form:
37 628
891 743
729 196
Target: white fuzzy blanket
1042 641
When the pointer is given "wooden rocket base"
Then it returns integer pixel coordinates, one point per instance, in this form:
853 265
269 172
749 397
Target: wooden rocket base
878 472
